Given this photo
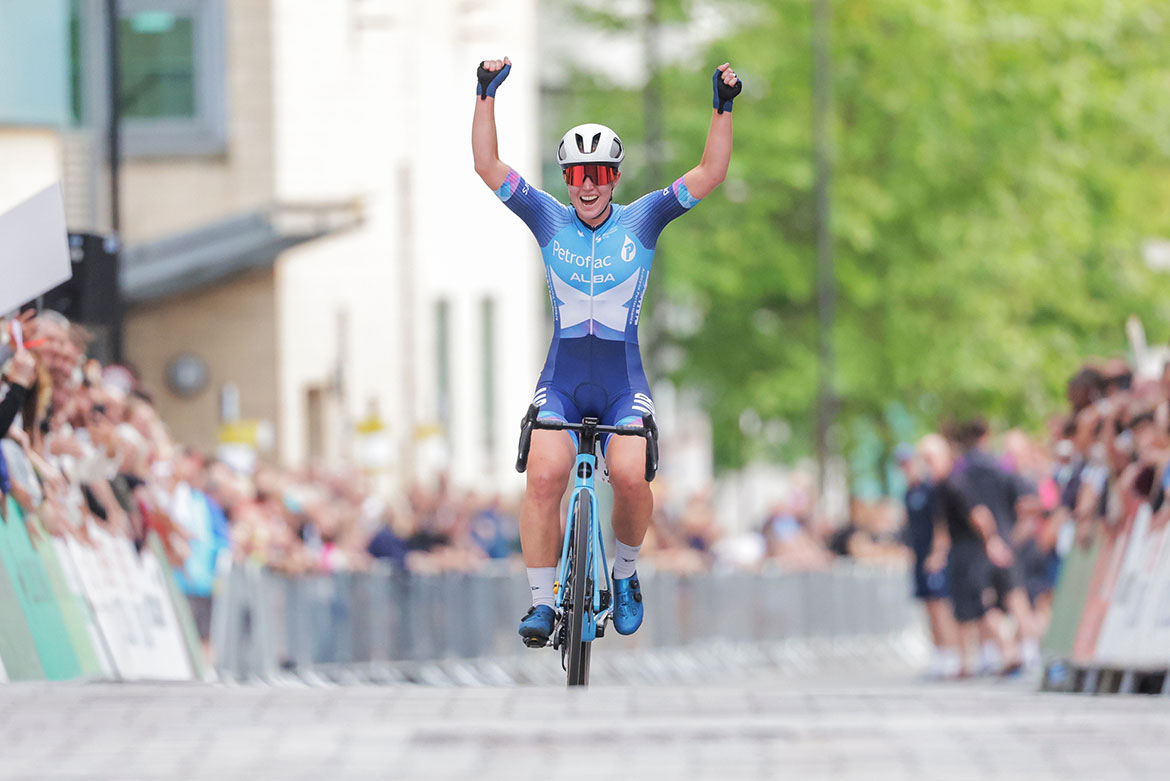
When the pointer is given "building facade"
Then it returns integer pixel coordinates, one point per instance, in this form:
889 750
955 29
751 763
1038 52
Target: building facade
304 240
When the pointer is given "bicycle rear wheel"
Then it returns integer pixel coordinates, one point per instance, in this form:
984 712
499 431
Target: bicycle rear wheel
580 590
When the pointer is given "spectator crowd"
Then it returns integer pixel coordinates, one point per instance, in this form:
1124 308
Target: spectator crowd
989 527
84 445
983 525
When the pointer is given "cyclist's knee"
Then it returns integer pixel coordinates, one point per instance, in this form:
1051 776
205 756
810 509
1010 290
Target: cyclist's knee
547 482
628 476
626 461
548 467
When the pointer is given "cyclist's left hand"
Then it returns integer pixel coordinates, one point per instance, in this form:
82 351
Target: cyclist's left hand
726 86
727 74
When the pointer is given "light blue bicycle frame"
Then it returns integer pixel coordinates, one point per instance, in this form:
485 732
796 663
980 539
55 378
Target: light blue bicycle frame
586 466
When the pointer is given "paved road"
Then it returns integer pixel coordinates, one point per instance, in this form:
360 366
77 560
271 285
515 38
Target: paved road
847 719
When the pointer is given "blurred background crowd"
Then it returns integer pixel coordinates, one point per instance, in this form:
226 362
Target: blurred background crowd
982 527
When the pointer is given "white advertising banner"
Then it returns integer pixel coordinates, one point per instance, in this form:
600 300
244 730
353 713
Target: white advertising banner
1118 640
1153 639
34 248
94 572
168 651
132 608
73 581
159 652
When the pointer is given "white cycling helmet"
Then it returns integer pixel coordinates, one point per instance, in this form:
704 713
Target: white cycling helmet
590 143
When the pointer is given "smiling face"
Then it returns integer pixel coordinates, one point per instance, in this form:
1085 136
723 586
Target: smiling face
592 200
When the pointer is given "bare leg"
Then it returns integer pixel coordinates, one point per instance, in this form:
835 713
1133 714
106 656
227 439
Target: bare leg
550 459
1027 627
943 628
999 640
969 639
1043 613
1020 609
633 502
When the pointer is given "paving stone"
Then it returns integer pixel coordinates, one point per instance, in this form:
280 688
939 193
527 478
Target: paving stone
742 724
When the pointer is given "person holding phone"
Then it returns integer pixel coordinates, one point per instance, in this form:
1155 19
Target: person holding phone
18 367
597 258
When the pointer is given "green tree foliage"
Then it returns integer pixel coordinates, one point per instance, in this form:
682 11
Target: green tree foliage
997 167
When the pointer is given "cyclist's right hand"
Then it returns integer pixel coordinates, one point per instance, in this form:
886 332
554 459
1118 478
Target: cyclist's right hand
491 75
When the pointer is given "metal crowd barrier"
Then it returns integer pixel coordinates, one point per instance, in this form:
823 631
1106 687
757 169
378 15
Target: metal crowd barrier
265 622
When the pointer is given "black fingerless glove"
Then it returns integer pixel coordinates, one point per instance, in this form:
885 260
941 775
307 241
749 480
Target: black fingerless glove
490 80
724 94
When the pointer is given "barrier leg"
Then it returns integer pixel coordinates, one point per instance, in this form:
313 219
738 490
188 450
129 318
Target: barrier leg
379 617
260 659
225 624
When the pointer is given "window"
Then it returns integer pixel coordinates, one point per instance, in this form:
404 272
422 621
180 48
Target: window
157 58
34 69
172 83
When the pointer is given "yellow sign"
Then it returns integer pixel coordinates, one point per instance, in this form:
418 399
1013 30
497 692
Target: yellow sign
370 425
426 430
238 432
257 434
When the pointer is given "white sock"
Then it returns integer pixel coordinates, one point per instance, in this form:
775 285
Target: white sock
1030 653
945 663
990 656
540 580
625 560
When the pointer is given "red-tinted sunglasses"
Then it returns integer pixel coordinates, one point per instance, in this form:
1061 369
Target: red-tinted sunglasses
599 173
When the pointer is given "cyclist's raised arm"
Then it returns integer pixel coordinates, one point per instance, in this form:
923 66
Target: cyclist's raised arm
712 169
488 165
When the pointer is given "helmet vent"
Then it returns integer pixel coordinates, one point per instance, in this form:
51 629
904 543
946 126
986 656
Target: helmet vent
615 149
592 148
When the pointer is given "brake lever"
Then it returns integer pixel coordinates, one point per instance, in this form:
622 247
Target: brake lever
526 425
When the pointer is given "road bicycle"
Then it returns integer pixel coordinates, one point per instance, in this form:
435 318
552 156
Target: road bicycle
583 589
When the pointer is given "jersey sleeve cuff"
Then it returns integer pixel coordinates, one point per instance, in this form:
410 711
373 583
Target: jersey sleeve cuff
683 194
510 185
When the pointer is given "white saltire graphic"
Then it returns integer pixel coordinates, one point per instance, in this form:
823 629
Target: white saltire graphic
610 308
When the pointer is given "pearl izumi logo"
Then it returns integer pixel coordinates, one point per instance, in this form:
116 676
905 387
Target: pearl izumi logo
629 249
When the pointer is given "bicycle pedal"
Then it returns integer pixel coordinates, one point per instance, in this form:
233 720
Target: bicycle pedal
558 636
535 642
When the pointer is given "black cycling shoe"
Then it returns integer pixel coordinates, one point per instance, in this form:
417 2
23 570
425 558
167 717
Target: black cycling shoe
537 626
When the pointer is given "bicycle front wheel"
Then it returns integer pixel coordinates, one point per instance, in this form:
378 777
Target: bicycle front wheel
580 590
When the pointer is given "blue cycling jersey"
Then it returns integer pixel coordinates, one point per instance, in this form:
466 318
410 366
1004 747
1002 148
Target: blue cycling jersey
596 281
